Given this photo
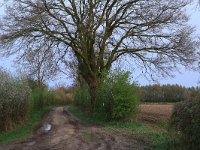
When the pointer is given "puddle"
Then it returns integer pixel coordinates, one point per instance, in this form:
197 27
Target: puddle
31 143
46 128
89 137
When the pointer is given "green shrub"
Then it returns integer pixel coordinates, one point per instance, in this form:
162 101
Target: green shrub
35 84
186 120
116 97
37 99
21 133
64 95
41 97
82 97
50 98
14 95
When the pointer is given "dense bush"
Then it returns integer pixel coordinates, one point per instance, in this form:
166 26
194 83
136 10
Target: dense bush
36 100
64 95
116 97
14 95
41 97
82 97
186 120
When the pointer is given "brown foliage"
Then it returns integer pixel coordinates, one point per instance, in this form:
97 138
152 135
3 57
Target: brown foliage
64 95
155 33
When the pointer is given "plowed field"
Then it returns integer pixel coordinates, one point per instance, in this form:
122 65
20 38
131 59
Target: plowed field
155 112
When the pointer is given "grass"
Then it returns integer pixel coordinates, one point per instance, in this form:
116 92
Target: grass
158 139
24 131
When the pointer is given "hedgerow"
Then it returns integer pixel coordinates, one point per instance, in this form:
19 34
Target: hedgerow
186 120
14 95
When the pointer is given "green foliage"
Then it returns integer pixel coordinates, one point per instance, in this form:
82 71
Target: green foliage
186 120
32 83
36 101
158 140
164 93
136 126
116 97
94 118
41 97
24 131
166 141
50 98
14 95
82 97
167 93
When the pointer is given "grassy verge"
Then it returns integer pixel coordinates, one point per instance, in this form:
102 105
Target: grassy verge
26 130
158 139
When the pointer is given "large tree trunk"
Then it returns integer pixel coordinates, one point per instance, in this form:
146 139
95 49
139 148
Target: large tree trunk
92 84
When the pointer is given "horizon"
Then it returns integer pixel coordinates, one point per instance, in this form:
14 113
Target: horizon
183 77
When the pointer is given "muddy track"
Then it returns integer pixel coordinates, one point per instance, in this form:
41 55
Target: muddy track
69 133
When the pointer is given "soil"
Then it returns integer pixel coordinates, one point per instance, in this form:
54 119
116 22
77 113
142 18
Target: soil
155 112
69 133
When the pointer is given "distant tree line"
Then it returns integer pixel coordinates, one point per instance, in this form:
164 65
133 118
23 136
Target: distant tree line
167 93
48 35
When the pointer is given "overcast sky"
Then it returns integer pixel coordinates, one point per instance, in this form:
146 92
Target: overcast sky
185 78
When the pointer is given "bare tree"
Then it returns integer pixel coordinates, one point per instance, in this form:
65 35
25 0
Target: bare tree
96 33
39 63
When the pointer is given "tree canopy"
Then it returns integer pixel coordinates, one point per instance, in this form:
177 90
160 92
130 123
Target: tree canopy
96 33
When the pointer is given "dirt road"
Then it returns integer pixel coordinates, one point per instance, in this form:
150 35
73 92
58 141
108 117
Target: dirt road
69 133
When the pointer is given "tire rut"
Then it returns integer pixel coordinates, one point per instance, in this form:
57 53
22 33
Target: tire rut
68 133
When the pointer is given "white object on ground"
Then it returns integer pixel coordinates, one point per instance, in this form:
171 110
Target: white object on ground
46 127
